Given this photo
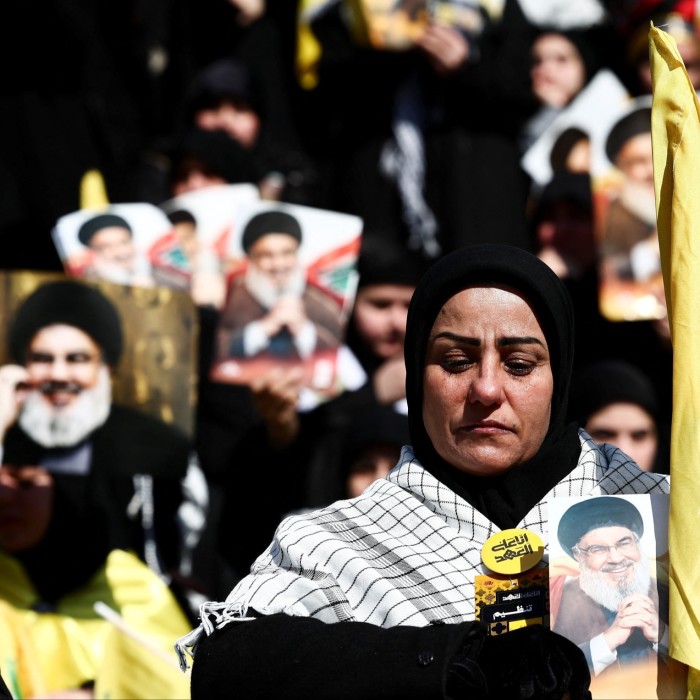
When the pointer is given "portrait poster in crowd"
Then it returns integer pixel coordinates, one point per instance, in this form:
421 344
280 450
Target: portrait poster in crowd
629 264
111 243
395 25
146 337
608 589
580 125
291 282
192 254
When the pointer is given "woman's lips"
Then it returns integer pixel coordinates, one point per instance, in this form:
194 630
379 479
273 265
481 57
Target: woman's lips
486 427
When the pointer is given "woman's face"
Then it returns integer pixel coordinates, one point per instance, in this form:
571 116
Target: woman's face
558 73
487 382
380 317
629 427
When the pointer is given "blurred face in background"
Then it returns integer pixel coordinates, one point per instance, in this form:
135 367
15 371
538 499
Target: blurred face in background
636 162
629 427
379 315
71 386
558 72
236 117
373 463
579 158
62 362
195 176
275 258
114 246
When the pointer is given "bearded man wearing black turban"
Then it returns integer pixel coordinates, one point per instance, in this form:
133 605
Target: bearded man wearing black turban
273 309
56 411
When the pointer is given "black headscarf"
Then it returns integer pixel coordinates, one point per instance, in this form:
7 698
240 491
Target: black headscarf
505 498
613 380
610 381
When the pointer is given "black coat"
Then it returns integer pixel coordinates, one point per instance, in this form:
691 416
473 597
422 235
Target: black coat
279 656
128 443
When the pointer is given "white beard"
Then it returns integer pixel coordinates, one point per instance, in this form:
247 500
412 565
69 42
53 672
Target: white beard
265 293
639 200
113 272
610 595
138 273
67 426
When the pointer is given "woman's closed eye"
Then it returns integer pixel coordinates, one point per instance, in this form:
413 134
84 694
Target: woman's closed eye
519 366
457 362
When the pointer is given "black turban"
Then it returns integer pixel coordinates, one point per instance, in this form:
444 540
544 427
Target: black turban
592 513
182 216
70 303
269 222
636 122
97 223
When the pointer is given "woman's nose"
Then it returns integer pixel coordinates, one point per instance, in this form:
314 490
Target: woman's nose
487 385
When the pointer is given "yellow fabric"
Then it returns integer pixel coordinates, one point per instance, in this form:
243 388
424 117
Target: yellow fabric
93 192
17 655
75 644
675 123
308 47
132 670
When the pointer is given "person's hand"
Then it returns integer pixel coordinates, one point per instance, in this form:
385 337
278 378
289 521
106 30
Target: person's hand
208 287
526 664
636 610
275 396
445 48
389 380
287 312
12 395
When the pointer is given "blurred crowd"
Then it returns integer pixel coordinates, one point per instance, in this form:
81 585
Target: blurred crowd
426 144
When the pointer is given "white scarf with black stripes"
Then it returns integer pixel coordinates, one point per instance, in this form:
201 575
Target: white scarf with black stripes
403 553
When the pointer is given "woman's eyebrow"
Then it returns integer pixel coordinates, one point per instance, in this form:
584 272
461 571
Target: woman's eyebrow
475 342
520 340
463 340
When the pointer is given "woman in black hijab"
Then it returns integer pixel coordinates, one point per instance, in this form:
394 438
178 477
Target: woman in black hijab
615 402
505 498
395 567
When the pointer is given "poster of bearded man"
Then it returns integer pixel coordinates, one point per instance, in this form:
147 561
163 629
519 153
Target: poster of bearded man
609 589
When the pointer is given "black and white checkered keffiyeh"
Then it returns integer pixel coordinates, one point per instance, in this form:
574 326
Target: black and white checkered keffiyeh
403 553
403 160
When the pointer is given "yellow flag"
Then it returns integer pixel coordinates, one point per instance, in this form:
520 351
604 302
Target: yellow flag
132 671
93 192
675 126
18 654
308 46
